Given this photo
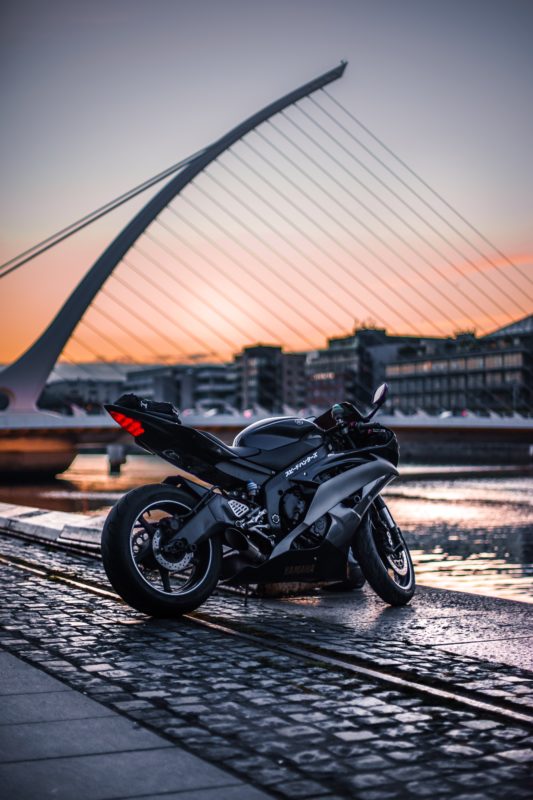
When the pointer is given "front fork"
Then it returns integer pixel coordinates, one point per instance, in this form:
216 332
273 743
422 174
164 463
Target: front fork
393 541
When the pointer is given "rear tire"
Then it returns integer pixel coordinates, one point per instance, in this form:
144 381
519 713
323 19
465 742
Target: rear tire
368 544
130 560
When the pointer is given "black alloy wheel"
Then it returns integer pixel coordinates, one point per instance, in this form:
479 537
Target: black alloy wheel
148 573
384 559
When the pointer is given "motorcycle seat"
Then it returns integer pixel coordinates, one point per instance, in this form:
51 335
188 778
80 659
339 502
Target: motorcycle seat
233 452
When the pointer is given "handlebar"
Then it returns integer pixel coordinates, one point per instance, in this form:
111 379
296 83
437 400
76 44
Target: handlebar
369 428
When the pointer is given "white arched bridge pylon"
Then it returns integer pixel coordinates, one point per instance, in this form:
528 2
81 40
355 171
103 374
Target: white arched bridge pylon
22 382
289 228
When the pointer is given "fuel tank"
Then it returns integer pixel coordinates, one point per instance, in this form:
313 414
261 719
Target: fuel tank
280 440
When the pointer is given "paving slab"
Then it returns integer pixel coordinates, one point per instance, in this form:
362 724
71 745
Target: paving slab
49 707
110 776
16 677
508 650
474 625
243 792
37 740
52 526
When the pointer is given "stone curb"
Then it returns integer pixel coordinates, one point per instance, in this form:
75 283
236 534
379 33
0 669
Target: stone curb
57 527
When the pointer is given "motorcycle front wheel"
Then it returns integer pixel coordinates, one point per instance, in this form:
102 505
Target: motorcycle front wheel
148 575
390 573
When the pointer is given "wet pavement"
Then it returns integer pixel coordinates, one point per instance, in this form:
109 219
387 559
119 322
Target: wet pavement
288 724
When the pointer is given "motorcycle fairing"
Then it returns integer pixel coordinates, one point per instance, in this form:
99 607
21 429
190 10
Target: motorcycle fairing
327 562
312 565
345 484
368 479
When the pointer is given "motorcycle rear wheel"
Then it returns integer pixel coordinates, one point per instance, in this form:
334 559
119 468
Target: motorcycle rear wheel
144 575
391 577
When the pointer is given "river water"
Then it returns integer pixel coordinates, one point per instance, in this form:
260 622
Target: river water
473 535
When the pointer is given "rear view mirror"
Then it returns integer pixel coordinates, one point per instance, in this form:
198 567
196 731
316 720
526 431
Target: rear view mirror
380 395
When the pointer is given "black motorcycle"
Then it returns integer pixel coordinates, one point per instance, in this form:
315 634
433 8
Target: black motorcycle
293 500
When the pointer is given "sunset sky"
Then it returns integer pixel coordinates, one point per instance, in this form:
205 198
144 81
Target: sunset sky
278 242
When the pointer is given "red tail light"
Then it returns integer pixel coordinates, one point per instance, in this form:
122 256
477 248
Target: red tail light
133 426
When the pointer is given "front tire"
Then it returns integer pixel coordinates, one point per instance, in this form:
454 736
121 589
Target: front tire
392 577
148 578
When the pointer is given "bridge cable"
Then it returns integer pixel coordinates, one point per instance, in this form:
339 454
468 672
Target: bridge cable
106 338
198 296
253 253
249 294
413 210
330 257
488 391
83 222
156 263
123 328
203 279
355 277
356 238
268 266
134 313
189 311
383 222
329 276
376 235
253 297
433 191
448 241
162 313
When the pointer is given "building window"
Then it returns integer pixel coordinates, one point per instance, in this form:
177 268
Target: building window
474 362
512 360
493 362
408 369
513 377
494 378
457 364
475 381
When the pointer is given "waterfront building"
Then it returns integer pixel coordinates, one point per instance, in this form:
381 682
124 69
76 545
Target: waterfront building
294 381
259 378
351 367
157 382
209 386
493 373
83 386
195 386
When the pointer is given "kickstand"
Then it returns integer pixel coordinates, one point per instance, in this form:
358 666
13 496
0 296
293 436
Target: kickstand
246 590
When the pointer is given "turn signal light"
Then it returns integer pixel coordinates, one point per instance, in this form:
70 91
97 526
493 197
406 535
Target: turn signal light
133 426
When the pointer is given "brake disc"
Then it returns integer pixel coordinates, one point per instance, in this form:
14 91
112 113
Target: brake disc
398 562
173 562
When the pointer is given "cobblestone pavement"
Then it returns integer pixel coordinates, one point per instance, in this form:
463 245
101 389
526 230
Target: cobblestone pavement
295 728
382 647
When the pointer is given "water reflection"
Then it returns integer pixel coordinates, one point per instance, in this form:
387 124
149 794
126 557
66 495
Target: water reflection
470 535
